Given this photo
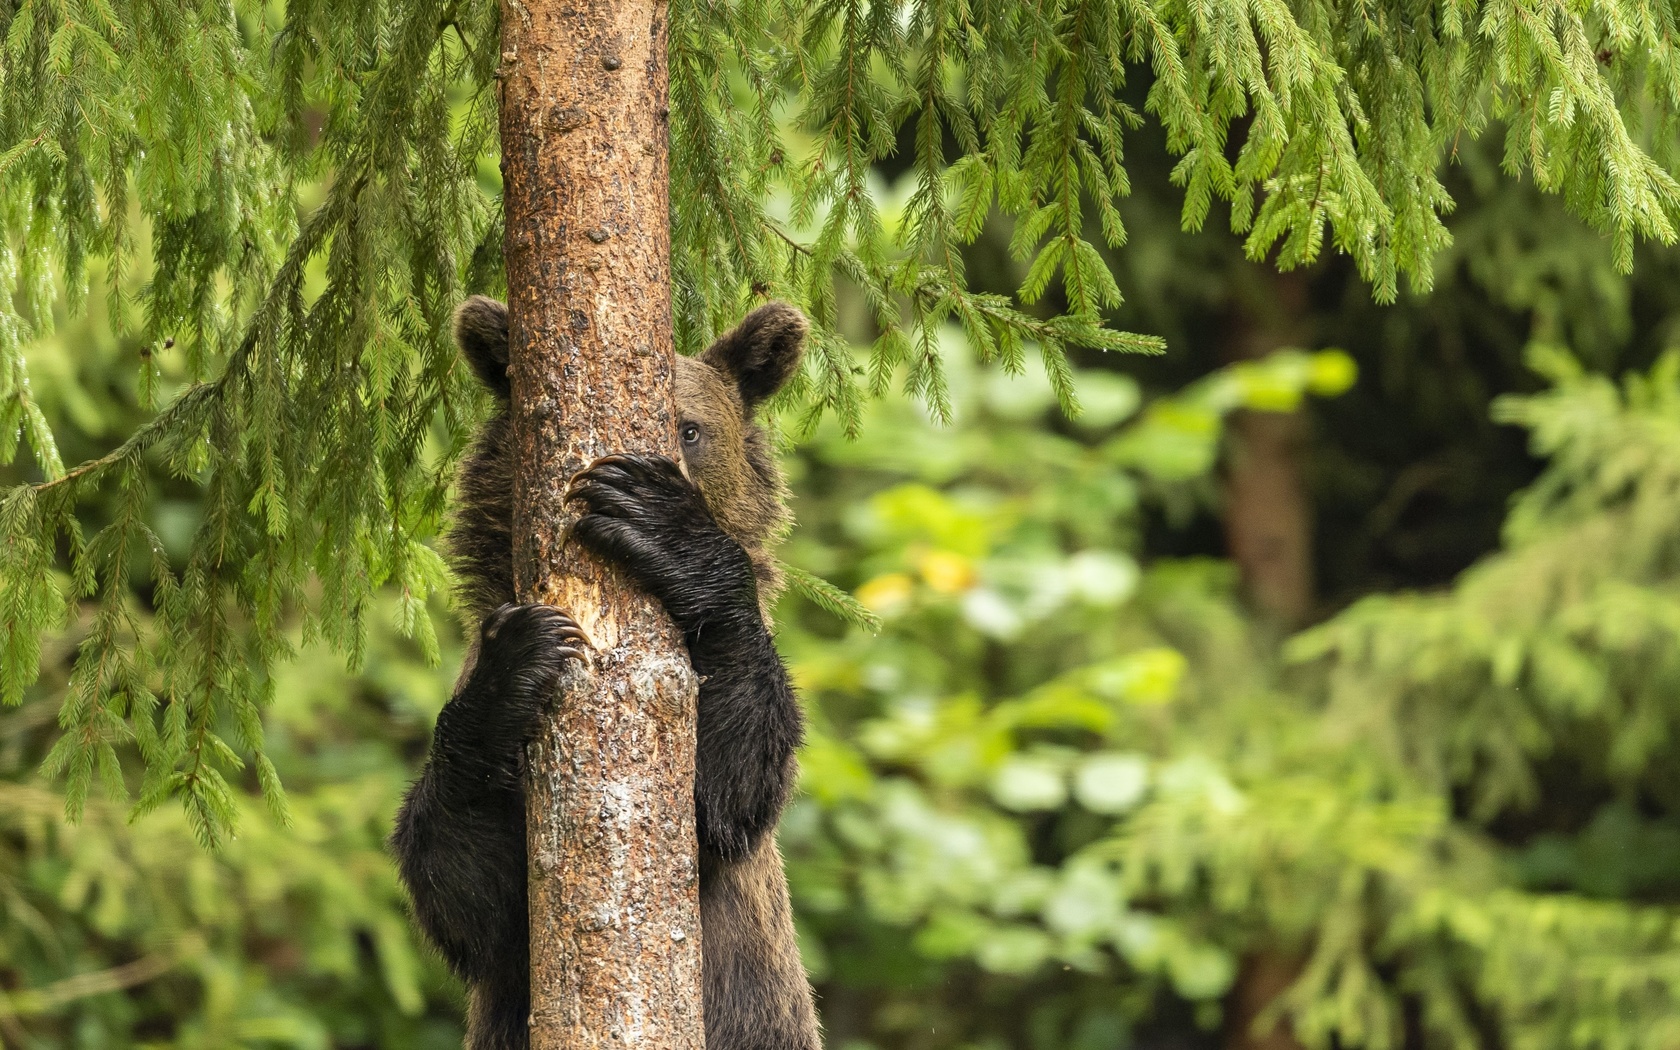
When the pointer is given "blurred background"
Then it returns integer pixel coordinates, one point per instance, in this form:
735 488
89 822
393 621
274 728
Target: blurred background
1316 685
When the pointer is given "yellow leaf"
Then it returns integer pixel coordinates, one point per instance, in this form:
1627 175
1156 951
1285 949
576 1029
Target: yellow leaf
947 572
887 594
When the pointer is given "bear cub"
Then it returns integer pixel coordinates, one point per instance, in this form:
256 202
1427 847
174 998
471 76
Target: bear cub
697 537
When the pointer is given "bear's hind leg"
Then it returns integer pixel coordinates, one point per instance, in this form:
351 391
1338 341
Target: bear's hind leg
757 996
499 1013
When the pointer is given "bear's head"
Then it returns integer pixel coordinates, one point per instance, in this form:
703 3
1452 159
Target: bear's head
723 449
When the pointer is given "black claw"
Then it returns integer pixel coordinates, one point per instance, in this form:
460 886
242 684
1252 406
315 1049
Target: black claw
603 499
641 514
626 469
493 622
523 651
631 462
543 620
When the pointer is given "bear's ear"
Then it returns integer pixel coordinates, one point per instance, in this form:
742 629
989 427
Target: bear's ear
481 331
762 352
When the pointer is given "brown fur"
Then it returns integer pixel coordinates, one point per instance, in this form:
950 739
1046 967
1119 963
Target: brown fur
735 468
741 916
755 990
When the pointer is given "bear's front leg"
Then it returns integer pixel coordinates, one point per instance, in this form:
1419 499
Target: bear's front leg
647 518
460 836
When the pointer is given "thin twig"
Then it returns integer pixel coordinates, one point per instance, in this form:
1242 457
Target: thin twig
98 982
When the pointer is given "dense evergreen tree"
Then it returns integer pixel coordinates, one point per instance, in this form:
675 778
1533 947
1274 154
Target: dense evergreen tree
1074 782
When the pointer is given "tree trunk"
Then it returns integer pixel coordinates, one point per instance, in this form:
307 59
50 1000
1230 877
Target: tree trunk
1264 976
615 919
1269 532
1268 517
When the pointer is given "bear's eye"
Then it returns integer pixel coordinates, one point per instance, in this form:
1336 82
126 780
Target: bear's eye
690 433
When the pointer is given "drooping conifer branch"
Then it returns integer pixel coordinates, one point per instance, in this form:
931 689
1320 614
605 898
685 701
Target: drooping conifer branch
169 149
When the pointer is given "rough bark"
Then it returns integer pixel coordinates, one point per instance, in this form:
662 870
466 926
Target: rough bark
1269 532
615 921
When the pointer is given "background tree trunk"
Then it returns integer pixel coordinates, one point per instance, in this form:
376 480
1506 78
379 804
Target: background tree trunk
615 921
1268 517
1269 533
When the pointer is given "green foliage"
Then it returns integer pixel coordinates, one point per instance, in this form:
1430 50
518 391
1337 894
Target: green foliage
126 932
180 144
1061 789
1053 760
964 762
1068 785
184 163
1563 646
